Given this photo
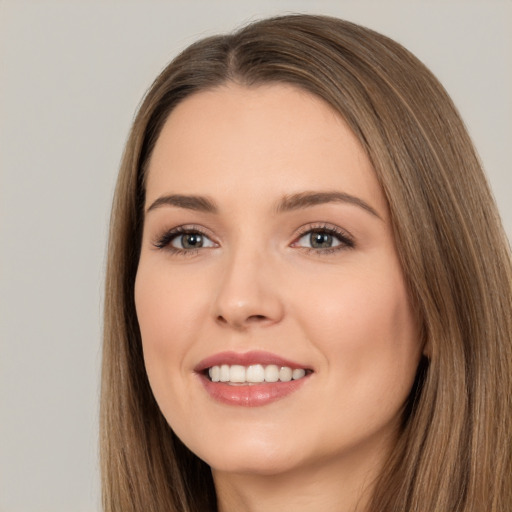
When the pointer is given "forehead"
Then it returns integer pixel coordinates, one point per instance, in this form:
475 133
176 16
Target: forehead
267 140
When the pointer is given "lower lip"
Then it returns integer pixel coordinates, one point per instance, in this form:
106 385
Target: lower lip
254 395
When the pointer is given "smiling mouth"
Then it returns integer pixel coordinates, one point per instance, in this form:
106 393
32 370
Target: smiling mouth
251 379
238 375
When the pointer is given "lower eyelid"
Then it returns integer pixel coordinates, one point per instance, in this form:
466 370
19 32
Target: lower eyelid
207 241
335 237
165 239
345 240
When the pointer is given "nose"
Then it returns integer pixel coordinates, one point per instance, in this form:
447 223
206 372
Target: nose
249 293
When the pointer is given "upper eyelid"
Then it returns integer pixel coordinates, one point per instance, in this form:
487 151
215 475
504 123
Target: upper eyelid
346 239
299 233
323 226
312 226
187 228
159 241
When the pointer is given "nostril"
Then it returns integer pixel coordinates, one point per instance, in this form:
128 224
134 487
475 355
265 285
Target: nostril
221 319
257 317
257 320
239 322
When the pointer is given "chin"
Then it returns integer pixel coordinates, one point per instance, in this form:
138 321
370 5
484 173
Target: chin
257 457
261 466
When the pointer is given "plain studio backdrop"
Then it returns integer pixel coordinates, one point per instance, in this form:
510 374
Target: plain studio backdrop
71 76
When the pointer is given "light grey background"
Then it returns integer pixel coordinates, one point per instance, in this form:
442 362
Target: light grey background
71 76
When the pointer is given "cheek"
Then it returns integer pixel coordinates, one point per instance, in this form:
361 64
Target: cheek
155 305
365 329
167 312
348 308
167 306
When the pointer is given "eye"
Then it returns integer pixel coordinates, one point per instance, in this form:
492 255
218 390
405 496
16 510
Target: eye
184 240
319 240
324 239
192 240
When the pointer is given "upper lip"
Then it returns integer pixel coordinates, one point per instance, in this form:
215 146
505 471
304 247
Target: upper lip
246 359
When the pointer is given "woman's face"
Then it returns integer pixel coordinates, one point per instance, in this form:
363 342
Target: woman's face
267 244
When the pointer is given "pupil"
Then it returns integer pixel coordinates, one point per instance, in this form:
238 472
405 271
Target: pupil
192 240
320 240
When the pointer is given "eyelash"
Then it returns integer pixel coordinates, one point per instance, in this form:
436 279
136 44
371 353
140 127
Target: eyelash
345 239
164 242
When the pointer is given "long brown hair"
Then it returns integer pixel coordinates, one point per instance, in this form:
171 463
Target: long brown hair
454 453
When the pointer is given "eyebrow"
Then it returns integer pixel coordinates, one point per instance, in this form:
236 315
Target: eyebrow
197 203
288 203
308 199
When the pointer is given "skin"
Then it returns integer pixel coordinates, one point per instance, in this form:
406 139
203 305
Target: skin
257 284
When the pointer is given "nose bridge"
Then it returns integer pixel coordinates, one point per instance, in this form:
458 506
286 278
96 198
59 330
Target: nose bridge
247 293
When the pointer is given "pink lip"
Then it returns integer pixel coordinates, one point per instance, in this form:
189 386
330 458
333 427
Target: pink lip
245 359
253 395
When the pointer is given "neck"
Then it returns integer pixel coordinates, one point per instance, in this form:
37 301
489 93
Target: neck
327 487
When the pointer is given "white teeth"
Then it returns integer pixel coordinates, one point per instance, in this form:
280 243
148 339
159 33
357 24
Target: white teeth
285 374
237 373
215 373
224 373
271 373
255 373
298 373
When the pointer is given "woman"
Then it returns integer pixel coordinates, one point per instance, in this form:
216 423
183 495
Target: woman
309 290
